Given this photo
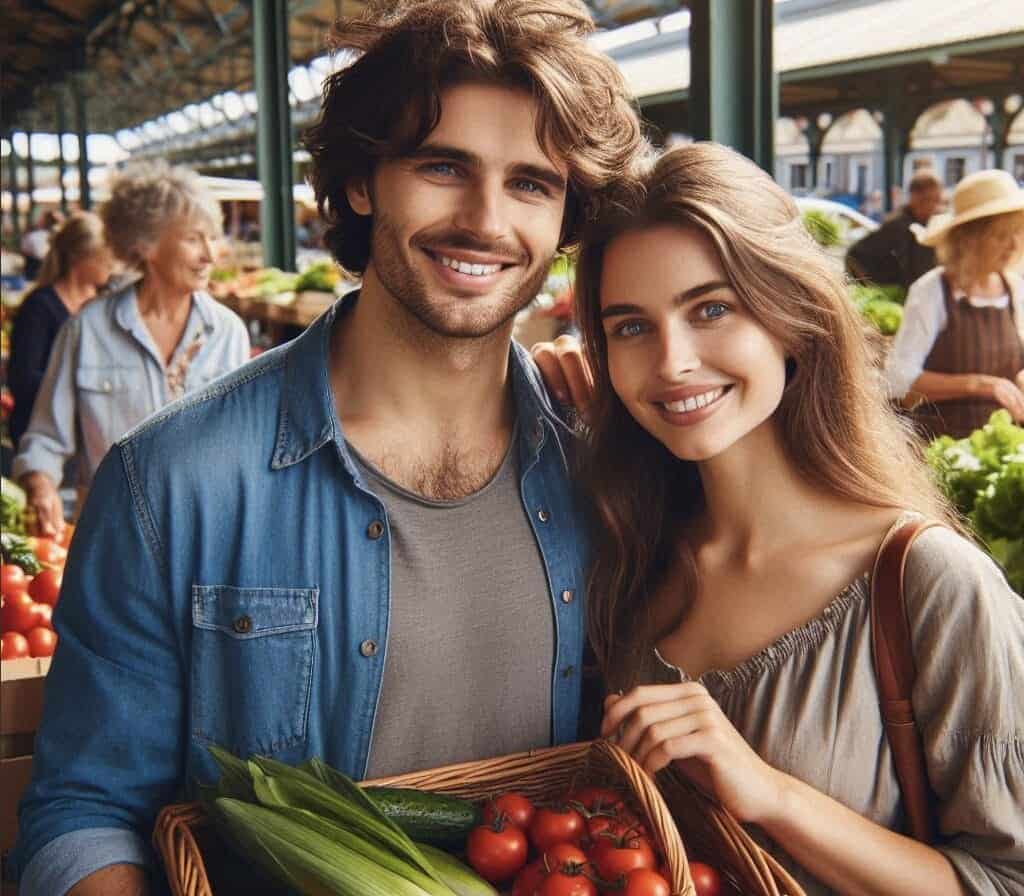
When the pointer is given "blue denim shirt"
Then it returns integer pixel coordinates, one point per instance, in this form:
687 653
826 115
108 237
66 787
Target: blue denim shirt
228 571
106 374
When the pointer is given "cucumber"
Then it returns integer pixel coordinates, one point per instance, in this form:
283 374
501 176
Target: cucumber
462 879
427 817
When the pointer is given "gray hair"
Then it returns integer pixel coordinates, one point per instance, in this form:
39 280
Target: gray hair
146 198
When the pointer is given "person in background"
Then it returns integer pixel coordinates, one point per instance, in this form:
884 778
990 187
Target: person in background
377 516
873 206
77 265
128 354
959 353
744 469
892 254
35 244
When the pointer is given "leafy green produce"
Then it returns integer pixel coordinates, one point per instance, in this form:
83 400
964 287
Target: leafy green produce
17 549
884 315
12 507
824 228
320 277
863 292
983 475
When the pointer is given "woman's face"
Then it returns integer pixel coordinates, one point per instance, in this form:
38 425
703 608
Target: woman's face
182 258
686 358
93 269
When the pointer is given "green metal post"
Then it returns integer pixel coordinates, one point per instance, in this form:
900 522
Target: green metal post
274 132
12 165
81 125
62 126
734 93
30 174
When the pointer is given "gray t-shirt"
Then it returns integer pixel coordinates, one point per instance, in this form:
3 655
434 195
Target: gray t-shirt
471 632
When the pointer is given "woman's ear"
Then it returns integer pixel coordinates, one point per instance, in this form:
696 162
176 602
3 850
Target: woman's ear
357 191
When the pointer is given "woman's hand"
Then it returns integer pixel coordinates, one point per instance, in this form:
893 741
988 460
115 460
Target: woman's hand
565 371
44 500
1009 394
682 723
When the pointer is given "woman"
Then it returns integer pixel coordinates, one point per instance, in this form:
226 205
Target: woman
744 469
77 265
127 355
960 351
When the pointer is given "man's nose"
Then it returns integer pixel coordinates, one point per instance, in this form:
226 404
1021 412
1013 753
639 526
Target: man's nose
481 211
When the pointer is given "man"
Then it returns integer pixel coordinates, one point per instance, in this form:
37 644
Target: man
362 545
892 253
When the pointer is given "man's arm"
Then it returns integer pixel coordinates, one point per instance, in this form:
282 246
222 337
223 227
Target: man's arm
111 748
114 880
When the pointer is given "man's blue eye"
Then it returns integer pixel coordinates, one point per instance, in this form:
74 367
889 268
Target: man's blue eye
441 168
529 186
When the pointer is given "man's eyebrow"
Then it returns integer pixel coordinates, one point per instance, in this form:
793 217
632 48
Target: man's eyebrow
694 292
545 175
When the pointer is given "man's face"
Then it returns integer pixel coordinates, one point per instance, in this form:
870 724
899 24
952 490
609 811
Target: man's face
465 227
925 203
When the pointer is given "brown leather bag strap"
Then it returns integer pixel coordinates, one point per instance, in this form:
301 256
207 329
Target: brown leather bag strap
893 653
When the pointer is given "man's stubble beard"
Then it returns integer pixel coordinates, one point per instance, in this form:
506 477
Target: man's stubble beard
407 287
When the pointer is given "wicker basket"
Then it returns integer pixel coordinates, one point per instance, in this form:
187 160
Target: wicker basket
184 835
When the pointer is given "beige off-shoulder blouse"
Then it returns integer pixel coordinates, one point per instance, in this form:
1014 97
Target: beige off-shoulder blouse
808 704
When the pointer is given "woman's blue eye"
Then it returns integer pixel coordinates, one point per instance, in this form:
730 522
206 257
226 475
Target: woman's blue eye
714 310
629 328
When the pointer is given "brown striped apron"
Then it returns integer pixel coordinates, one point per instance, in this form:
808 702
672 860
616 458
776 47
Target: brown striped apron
976 340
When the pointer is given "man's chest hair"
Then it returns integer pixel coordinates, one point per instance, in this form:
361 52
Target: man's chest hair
446 473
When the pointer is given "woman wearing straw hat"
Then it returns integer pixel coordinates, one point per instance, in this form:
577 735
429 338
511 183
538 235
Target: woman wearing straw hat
960 351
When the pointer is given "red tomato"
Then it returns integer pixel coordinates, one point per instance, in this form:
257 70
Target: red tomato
13 646
12 579
565 857
529 879
595 798
45 587
517 808
41 641
17 615
706 880
42 616
48 551
616 856
645 882
496 851
558 883
556 825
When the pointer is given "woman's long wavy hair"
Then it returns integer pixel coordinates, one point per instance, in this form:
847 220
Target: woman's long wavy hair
387 101
837 427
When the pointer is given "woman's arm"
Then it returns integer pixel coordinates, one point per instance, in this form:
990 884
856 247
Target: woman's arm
683 725
944 386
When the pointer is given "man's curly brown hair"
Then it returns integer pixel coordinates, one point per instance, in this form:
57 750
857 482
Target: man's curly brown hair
385 103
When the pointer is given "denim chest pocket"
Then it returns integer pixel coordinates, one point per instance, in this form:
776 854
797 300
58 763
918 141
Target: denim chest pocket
252 666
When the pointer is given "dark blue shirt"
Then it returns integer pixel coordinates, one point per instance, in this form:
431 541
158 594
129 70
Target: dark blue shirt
40 316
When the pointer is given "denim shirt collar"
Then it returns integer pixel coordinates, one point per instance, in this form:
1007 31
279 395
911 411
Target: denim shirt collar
126 310
307 420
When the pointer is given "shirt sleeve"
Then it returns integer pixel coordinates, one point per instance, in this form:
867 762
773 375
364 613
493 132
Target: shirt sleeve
109 752
968 632
924 318
31 343
63 862
51 437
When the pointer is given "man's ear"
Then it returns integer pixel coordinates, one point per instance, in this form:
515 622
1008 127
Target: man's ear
357 191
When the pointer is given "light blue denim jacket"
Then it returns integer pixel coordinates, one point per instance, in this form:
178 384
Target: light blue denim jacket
229 569
106 374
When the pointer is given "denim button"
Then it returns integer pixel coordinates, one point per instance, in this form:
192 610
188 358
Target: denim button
543 516
375 530
242 625
567 596
368 648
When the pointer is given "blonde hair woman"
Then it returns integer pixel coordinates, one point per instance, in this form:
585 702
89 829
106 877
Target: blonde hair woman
744 469
959 354
77 265
130 353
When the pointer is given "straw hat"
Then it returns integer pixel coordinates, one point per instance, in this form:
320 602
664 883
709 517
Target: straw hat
978 195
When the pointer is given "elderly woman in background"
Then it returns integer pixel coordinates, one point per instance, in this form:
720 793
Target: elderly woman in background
129 354
959 353
77 265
